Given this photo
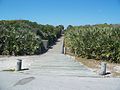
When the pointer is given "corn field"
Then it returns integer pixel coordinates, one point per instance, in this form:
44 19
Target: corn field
101 42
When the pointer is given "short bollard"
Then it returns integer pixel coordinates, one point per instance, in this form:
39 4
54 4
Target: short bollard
103 68
63 49
45 44
19 65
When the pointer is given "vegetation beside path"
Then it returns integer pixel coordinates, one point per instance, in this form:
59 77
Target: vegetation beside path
100 42
23 37
93 44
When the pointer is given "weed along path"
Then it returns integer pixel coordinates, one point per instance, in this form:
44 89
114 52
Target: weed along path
54 63
55 71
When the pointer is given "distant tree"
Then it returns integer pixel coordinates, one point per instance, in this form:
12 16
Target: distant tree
69 27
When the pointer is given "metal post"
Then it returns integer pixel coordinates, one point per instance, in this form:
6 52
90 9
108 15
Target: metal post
19 65
103 68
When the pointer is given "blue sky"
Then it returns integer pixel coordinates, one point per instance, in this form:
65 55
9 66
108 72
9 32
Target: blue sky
55 12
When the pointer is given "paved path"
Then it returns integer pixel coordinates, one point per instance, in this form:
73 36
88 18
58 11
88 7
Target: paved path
55 71
13 81
55 63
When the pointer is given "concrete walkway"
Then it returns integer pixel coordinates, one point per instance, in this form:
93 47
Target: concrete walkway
55 63
55 71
